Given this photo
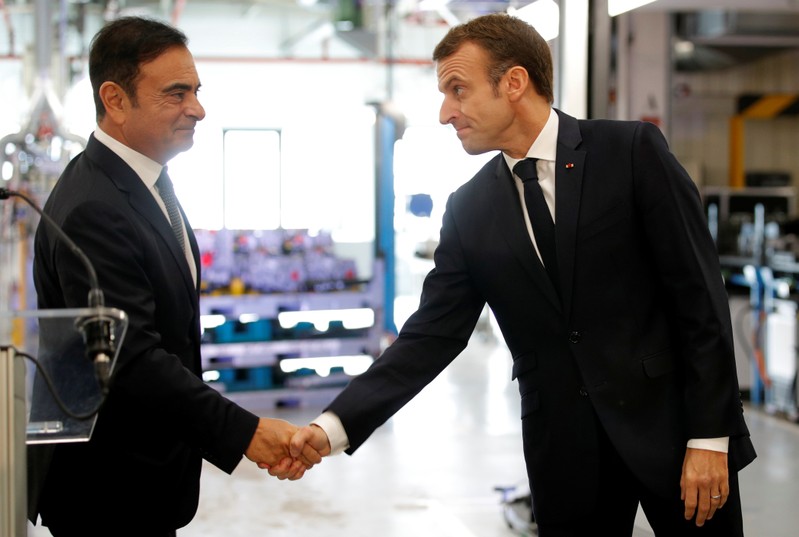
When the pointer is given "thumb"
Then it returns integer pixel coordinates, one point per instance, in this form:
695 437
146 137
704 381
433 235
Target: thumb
298 441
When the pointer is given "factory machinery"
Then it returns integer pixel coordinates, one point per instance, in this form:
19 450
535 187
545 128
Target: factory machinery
758 244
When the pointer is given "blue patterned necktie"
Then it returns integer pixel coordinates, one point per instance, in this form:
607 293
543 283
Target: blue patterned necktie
167 193
540 217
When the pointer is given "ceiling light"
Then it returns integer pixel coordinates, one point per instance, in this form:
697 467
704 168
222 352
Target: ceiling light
543 15
617 7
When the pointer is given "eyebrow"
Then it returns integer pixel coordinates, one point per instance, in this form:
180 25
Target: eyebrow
444 84
180 86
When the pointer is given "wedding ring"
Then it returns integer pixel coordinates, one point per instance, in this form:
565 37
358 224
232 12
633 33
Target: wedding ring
715 497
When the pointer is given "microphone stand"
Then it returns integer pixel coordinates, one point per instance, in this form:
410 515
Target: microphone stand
96 329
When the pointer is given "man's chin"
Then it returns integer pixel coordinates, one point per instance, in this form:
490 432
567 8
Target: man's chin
179 148
186 144
474 150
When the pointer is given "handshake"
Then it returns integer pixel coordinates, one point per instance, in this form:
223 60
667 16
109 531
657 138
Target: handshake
286 450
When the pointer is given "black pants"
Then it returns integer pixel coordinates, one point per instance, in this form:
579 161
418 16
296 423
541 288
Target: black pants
77 530
617 504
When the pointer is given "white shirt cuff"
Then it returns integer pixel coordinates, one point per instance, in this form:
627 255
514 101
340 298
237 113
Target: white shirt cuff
336 435
712 444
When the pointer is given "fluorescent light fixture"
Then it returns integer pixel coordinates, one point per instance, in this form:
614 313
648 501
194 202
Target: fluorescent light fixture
246 318
211 321
351 319
351 364
543 15
684 48
211 375
617 7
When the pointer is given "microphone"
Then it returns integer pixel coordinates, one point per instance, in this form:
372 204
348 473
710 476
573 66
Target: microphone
97 336
95 328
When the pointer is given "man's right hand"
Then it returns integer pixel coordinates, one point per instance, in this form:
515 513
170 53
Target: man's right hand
270 449
310 436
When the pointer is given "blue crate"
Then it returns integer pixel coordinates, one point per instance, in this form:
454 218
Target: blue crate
247 379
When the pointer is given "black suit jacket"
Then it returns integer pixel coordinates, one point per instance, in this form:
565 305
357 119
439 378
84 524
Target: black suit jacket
142 465
641 338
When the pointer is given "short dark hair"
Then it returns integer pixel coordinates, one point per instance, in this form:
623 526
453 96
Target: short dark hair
122 46
509 41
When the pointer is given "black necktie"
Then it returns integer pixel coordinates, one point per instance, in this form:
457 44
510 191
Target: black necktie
540 217
167 193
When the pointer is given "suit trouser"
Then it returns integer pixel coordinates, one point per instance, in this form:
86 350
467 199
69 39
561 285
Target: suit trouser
617 502
116 531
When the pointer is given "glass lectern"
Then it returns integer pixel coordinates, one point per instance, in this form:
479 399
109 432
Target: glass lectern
58 403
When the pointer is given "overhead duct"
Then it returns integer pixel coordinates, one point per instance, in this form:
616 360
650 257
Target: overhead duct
719 39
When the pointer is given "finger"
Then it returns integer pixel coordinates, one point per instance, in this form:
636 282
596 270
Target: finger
310 455
299 441
715 503
725 493
703 509
294 471
298 471
281 469
297 476
689 497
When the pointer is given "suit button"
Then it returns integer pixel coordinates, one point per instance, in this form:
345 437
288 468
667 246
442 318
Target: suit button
574 337
583 391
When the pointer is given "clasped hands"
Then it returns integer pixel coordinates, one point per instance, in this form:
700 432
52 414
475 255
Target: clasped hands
285 450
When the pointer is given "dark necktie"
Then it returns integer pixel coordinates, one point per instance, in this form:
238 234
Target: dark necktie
540 217
167 193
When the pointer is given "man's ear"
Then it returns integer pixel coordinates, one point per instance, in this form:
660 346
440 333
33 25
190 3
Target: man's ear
115 100
517 81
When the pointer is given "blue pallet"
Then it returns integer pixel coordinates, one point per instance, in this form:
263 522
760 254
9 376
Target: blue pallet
253 378
236 332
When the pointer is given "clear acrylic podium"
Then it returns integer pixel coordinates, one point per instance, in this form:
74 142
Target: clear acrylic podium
29 412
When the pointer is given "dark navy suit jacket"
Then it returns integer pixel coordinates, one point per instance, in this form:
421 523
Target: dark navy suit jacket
640 338
142 465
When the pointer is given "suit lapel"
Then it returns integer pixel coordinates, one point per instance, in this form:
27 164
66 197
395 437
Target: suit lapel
569 170
510 220
142 202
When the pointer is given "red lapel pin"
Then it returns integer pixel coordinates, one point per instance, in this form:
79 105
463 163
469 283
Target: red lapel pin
569 165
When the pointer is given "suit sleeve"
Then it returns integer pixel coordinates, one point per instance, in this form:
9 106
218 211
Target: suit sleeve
685 257
430 339
151 387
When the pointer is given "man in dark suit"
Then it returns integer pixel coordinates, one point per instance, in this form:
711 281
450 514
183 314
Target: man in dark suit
617 321
140 472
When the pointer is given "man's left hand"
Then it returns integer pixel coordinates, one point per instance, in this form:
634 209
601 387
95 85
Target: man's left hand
704 483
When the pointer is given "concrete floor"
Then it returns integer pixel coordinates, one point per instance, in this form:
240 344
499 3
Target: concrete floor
432 469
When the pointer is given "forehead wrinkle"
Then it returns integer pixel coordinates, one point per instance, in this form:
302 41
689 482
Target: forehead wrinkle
449 81
454 71
456 67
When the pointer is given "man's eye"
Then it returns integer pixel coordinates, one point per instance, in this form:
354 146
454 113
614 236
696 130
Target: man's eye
458 90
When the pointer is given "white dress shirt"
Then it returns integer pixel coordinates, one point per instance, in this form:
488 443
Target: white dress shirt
544 149
148 171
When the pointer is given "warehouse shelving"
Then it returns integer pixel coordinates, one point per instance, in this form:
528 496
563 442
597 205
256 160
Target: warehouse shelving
263 357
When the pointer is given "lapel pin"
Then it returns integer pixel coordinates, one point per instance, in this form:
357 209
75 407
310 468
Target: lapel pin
570 165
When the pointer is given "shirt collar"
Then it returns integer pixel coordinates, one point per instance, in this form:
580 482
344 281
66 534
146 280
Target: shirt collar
146 168
545 146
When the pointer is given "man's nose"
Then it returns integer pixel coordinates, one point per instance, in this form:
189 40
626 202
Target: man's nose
446 114
196 109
